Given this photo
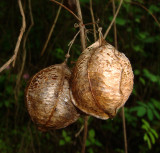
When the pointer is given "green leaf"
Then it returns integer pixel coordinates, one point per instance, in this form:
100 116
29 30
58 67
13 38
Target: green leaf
154 132
150 40
84 1
91 150
97 143
150 76
68 139
134 92
64 134
143 35
146 123
150 114
142 80
135 108
91 133
137 48
146 138
144 127
128 1
119 21
156 114
151 106
7 103
9 90
141 111
154 8
152 137
137 19
136 72
88 143
156 103
61 142
142 104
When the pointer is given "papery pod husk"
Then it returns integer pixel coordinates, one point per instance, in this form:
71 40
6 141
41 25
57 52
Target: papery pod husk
48 98
102 80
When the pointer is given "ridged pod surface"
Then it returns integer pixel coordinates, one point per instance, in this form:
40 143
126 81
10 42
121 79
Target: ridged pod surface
48 98
102 80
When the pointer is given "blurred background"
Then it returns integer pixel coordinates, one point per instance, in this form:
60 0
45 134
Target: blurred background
138 35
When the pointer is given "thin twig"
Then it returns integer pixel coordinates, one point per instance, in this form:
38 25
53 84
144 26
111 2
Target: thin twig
93 20
85 133
113 20
18 84
142 6
114 25
70 45
123 113
52 29
24 50
83 44
78 133
66 9
81 26
22 31
124 130
13 58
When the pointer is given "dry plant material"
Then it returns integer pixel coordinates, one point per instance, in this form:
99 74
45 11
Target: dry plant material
48 98
102 80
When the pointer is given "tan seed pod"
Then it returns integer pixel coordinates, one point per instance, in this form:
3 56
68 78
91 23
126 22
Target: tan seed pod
102 80
48 99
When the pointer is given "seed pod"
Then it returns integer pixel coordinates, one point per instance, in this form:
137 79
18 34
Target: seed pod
48 99
102 80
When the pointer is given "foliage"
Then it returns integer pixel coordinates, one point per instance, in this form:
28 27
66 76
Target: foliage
138 37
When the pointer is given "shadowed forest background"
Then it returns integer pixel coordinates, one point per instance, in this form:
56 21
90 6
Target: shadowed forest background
138 35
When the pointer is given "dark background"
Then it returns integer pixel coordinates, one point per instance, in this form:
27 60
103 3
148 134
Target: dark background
138 37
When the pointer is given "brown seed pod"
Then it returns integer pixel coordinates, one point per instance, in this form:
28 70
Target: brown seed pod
102 80
48 99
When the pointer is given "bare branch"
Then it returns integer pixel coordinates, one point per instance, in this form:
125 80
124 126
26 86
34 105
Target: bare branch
93 20
114 25
81 26
142 6
22 31
123 113
66 9
83 44
113 20
13 58
52 29
24 50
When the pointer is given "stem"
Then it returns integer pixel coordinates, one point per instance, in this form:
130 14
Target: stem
13 58
124 130
83 44
52 29
81 26
123 113
93 20
142 6
85 134
66 9
114 25
113 20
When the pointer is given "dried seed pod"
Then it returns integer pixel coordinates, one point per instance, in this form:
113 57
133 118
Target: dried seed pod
48 99
102 80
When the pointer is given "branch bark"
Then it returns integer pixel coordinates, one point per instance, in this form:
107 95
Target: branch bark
81 25
93 20
51 30
13 58
113 20
123 113
83 44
